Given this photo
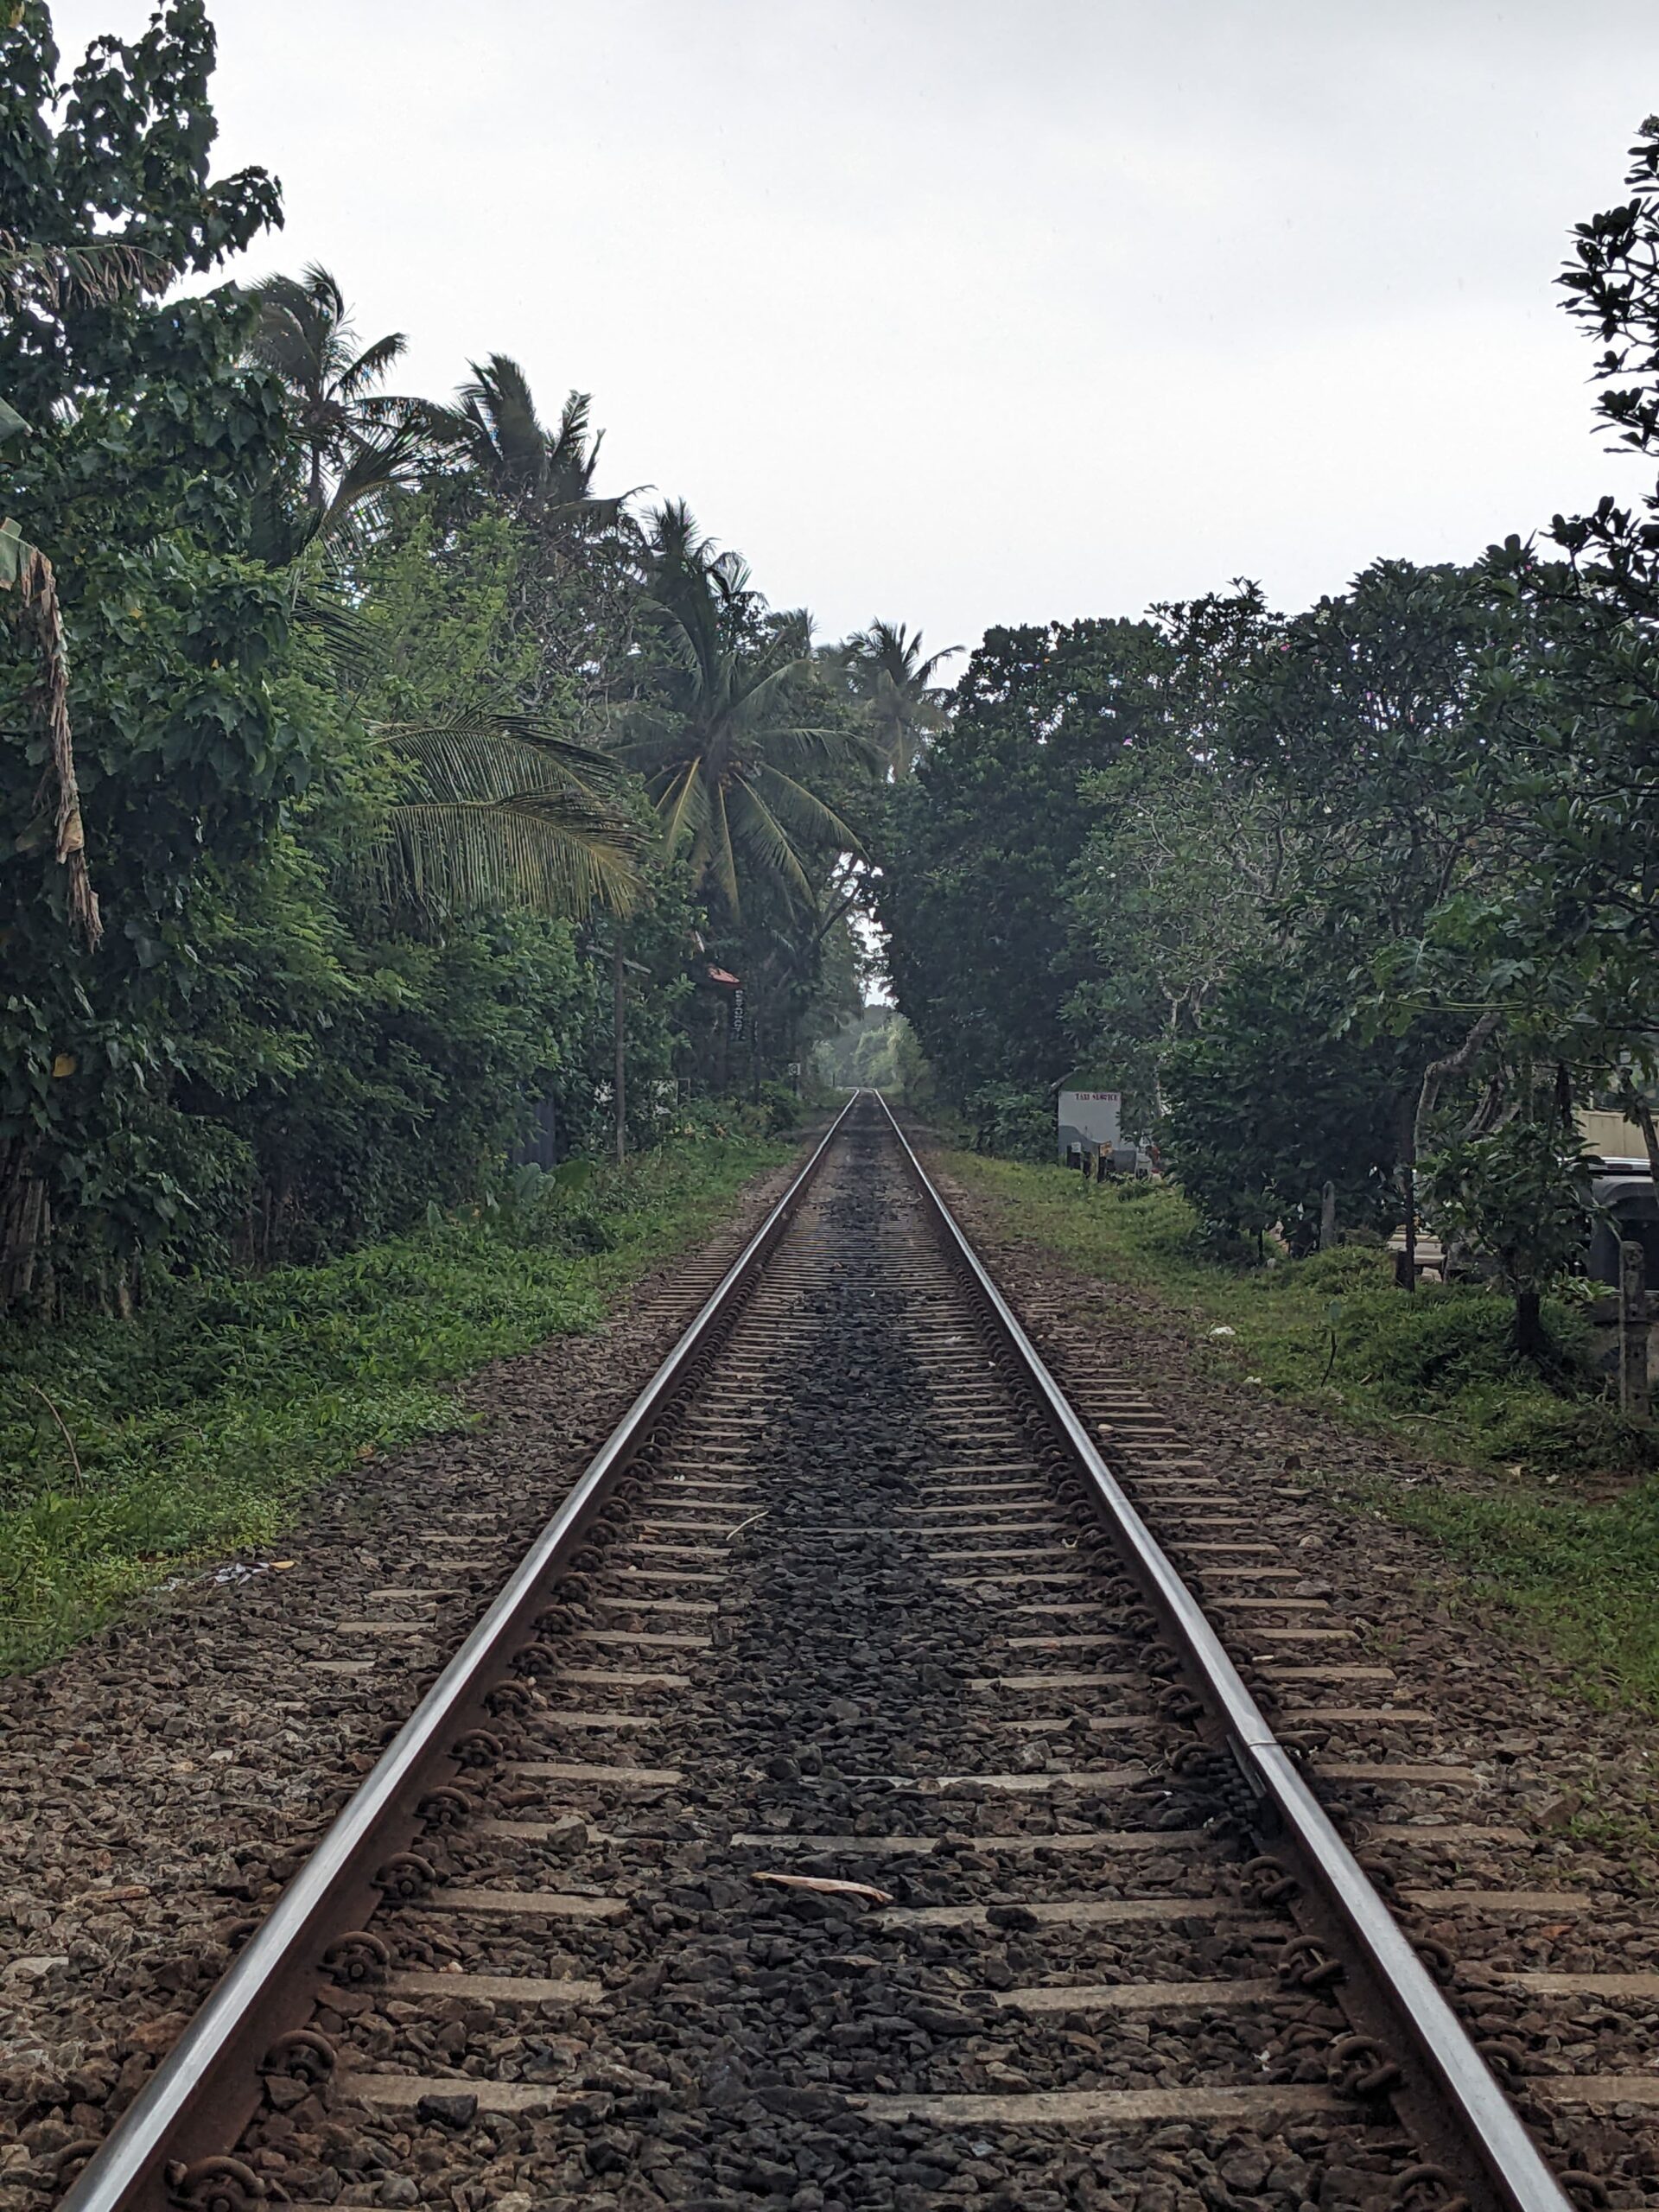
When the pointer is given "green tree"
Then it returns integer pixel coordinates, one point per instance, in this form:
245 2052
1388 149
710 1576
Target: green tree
1371 728
578 576
896 687
736 744
1520 1194
150 441
1570 937
1186 848
495 431
1275 1094
305 336
977 852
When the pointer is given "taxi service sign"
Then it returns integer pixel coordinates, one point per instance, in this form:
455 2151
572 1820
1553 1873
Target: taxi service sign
1090 1121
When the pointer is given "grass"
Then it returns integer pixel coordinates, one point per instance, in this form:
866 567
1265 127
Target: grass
1562 1535
132 1452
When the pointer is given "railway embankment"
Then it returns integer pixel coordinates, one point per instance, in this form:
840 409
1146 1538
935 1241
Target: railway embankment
139 1456
1519 1503
905 1771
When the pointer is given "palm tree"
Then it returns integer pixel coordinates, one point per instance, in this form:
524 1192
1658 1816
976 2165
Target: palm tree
305 336
495 428
884 667
496 811
727 762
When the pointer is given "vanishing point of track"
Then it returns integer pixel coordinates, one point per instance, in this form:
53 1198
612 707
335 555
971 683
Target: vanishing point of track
846 1801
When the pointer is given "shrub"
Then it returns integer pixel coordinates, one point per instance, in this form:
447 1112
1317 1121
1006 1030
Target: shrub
776 1110
1344 1267
1013 1124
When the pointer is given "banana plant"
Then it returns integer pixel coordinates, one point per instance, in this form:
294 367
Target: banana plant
26 571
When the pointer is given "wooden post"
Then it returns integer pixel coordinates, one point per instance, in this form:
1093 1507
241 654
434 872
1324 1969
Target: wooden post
1633 1330
619 1023
1405 1263
1327 1217
1405 1273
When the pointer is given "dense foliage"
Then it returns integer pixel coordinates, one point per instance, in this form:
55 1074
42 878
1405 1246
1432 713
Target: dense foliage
983 841
375 792
1358 905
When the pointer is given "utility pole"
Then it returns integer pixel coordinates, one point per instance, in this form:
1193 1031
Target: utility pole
619 1023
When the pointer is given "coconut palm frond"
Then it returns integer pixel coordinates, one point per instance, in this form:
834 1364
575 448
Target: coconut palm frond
318 607
498 811
496 430
803 747
585 513
756 690
384 467
681 798
768 846
491 755
730 759
529 851
808 819
370 365
573 451
499 394
644 738
306 339
85 272
674 538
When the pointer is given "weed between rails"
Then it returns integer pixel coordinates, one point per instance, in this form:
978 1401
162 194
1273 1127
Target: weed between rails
197 1428
1574 1573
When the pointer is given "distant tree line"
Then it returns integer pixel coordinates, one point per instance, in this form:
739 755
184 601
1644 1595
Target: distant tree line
1367 896
361 764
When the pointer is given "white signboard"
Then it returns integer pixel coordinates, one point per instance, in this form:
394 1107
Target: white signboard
1089 1121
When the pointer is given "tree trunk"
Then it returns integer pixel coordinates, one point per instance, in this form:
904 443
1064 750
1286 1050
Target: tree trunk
1530 1342
1452 1063
1637 1106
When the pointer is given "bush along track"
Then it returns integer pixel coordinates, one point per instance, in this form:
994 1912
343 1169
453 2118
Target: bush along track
1544 1496
130 1452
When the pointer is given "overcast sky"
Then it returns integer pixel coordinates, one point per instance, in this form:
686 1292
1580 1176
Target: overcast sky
970 311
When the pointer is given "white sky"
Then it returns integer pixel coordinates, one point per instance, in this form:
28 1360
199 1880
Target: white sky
970 311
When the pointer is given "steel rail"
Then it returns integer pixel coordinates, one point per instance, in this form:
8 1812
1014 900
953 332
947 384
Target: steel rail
1489 2124
202 2096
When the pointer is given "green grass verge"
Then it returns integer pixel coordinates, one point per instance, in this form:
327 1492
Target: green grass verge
201 1426
1577 1571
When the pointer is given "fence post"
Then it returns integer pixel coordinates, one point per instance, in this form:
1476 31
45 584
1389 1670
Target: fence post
1633 1330
1327 1218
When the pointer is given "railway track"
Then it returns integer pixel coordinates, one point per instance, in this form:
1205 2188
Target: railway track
846 1803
